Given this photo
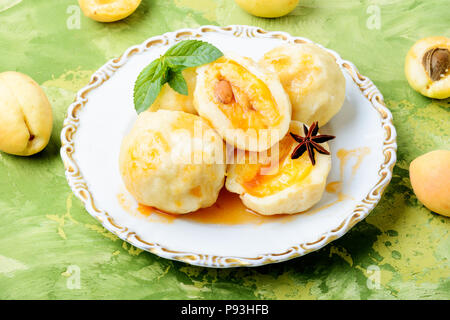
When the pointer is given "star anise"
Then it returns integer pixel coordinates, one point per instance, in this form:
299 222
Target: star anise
310 142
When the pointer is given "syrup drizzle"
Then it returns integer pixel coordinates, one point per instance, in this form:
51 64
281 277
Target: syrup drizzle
229 209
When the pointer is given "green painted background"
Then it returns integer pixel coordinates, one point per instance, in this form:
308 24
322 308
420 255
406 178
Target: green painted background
44 228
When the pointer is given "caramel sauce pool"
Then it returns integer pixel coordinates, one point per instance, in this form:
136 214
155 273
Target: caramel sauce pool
334 187
229 209
345 155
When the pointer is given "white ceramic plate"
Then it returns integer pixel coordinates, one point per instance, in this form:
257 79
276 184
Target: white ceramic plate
103 112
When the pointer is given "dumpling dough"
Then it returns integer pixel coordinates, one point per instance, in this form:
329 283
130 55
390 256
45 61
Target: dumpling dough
245 103
291 186
173 161
169 99
312 79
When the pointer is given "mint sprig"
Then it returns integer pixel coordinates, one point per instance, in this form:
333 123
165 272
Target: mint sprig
168 69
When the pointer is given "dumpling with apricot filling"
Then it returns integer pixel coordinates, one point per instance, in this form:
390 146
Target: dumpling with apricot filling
173 161
245 103
312 79
277 182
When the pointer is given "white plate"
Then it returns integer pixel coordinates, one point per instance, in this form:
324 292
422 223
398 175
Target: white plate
103 112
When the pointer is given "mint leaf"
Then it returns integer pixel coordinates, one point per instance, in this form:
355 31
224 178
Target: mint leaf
186 47
178 83
147 73
149 84
168 68
143 101
192 53
160 69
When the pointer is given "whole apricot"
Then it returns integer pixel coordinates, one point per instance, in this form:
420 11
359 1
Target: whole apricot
26 115
108 10
430 179
268 8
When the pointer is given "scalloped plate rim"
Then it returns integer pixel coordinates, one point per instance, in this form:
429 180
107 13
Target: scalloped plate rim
79 187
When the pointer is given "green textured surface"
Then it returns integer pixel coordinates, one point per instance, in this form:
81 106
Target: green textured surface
44 229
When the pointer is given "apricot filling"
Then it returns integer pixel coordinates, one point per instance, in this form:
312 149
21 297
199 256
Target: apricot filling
269 177
244 99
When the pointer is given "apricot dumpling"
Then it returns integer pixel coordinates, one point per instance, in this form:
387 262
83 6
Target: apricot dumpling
173 161
312 79
245 103
274 183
